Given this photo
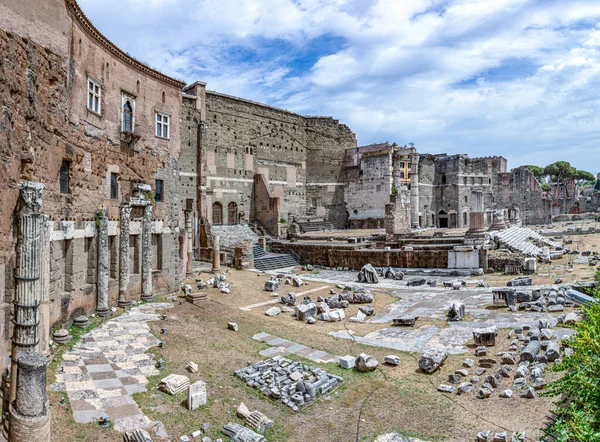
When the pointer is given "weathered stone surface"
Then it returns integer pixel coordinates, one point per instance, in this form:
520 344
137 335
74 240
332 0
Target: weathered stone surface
368 274
305 311
405 321
366 363
447 388
273 311
196 395
485 336
456 312
392 360
272 285
432 360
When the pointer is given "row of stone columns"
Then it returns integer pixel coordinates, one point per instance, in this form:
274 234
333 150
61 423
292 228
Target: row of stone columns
147 293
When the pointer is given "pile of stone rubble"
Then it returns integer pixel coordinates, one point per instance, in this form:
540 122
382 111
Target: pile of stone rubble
531 350
292 383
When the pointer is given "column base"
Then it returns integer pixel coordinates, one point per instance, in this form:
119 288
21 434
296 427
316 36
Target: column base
147 298
103 312
124 303
27 429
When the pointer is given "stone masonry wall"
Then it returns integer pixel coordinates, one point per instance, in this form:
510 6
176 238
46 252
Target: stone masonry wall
39 91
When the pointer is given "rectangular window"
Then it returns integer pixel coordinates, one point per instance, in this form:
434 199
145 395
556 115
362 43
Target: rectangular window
158 188
162 125
114 186
94 94
402 164
64 176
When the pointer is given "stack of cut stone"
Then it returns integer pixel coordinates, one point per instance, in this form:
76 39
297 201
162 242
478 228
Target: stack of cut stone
174 384
196 298
61 336
137 435
289 382
81 321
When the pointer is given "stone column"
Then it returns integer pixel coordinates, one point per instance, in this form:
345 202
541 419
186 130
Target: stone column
124 256
29 414
27 296
216 254
147 293
476 216
414 190
189 245
103 265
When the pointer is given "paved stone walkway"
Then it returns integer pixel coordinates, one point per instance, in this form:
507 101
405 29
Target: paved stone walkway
283 347
101 374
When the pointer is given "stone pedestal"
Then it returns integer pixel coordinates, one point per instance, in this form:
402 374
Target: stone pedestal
398 215
29 414
498 221
476 224
124 256
216 254
147 293
103 265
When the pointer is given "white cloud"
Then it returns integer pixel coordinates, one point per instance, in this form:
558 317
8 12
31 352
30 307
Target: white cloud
517 78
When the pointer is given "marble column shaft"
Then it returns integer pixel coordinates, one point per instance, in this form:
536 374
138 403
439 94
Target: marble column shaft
124 255
414 190
147 253
216 254
188 245
103 265
27 276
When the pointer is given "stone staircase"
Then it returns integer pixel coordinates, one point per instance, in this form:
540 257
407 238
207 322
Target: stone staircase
519 239
264 260
315 226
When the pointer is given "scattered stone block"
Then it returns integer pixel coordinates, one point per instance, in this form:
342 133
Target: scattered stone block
239 433
368 274
485 336
137 435
432 360
196 395
506 393
465 387
232 326
529 393
392 360
456 312
61 336
520 281
484 436
484 392
500 437
289 299
416 282
367 310
174 384
254 419
405 321
192 367
447 388
366 363
468 363
347 362
273 311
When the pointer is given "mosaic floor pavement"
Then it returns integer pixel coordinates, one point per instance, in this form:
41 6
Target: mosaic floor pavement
104 369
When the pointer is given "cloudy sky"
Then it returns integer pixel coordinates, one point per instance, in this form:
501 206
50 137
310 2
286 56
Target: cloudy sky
518 78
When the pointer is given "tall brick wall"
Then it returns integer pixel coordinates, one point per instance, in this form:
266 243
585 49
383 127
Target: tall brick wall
44 121
300 158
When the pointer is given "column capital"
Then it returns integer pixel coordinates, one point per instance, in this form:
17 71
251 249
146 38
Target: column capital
30 197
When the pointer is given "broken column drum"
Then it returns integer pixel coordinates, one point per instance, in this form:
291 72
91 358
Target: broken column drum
476 216
103 265
530 351
29 414
147 293
27 276
188 246
216 254
485 336
124 256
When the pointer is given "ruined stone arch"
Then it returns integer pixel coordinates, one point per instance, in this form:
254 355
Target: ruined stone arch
217 214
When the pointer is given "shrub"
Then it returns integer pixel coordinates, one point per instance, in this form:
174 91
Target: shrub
578 411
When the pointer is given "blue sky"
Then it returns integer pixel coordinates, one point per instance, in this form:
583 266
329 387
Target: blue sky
518 78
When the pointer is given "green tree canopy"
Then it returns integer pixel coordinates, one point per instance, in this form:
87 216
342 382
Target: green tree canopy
584 175
537 171
560 170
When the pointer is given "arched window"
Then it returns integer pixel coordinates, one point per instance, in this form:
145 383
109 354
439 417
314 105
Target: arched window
232 213
163 97
217 214
127 117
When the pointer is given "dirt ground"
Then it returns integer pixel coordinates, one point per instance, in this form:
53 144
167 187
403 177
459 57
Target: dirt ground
397 399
